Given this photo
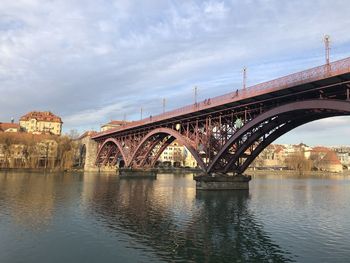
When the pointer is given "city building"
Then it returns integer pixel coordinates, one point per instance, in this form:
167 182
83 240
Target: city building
272 157
113 125
290 156
343 153
331 163
38 122
9 127
177 155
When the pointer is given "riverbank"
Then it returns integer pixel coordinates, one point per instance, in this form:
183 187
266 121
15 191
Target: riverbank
34 170
178 170
295 173
158 170
172 170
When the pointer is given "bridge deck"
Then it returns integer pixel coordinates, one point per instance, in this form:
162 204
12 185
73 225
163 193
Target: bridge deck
318 76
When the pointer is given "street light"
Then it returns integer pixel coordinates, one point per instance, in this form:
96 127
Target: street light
244 77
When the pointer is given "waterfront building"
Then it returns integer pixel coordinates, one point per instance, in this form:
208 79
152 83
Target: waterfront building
331 163
273 157
326 159
38 122
172 155
177 155
189 161
344 158
304 149
343 153
9 127
320 158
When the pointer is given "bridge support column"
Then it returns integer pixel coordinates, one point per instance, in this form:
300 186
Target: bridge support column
91 153
222 182
138 173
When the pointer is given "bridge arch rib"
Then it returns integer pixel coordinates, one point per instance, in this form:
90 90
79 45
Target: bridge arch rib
110 148
268 126
163 137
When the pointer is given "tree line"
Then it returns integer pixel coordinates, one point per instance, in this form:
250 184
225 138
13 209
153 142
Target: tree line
24 150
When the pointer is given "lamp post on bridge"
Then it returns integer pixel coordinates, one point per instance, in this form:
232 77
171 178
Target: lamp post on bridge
244 77
326 40
124 118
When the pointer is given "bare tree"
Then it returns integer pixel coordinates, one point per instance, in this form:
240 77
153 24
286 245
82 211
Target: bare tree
298 162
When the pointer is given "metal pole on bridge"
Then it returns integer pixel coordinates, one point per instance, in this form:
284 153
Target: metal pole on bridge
195 95
244 77
124 118
141 112
327 48
164 105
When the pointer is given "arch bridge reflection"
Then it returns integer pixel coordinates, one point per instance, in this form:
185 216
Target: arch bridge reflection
179 224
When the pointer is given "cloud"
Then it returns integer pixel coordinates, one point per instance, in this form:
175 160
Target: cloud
91 61
330 132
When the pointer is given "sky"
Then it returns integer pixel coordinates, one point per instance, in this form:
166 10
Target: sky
91 61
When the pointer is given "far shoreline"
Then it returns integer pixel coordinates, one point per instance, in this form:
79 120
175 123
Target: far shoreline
177 170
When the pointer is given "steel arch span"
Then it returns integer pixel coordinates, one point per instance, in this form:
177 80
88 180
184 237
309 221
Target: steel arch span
232 150
237 153
226 133
245 145
109 152
147 151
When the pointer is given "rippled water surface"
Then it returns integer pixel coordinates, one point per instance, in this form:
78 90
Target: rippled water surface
105 218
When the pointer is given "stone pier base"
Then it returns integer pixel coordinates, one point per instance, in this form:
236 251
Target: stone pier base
222 182
137 173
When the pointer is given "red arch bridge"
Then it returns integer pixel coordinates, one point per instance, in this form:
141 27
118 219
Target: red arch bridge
226 133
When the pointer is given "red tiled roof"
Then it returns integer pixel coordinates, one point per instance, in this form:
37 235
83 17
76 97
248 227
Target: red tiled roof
8 125
331 158
41 116
321 149
279 148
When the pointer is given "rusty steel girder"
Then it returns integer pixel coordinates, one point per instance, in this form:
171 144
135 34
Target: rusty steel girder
225 134
219 146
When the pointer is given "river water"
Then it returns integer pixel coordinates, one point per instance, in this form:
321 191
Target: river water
104 218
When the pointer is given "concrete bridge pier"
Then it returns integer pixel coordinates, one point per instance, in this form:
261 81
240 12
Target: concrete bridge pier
88 152
90 147
91 154
222 182
138 173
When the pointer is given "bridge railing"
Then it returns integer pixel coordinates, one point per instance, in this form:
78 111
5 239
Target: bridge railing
295 79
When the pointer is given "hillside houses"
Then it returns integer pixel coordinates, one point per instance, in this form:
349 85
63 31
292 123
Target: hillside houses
277 157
